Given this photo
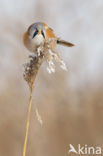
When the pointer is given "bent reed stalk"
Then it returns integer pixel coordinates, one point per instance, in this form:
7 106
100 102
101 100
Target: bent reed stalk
27 122
30 71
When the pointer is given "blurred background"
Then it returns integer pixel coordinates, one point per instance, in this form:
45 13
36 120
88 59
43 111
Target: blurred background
70 103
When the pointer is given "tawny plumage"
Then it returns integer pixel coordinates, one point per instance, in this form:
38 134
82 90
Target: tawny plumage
65 43
38 33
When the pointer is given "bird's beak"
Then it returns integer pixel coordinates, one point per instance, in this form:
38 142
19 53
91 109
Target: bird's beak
39 32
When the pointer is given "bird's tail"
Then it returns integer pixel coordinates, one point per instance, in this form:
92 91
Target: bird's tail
65 43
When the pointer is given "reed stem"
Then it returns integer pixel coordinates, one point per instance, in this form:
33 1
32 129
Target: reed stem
28 121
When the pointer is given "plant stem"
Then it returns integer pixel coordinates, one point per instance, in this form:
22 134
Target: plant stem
27 122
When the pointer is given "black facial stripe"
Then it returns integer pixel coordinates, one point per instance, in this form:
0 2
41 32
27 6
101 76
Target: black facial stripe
35 33
43 34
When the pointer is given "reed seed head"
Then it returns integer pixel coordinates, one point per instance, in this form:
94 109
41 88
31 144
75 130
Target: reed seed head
44 52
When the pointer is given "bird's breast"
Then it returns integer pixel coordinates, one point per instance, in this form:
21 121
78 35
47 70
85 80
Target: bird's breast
32 43
38 40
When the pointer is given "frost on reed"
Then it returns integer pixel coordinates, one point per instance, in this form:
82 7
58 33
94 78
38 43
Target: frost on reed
43 52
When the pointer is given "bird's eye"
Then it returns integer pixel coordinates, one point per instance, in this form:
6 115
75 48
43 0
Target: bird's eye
43 34
35 33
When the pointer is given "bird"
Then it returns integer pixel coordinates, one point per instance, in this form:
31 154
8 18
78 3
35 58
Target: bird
38 33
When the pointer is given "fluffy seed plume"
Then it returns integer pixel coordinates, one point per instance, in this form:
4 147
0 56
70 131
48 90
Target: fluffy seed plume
31 68
44 52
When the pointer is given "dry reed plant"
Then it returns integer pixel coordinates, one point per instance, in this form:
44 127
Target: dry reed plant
31 69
